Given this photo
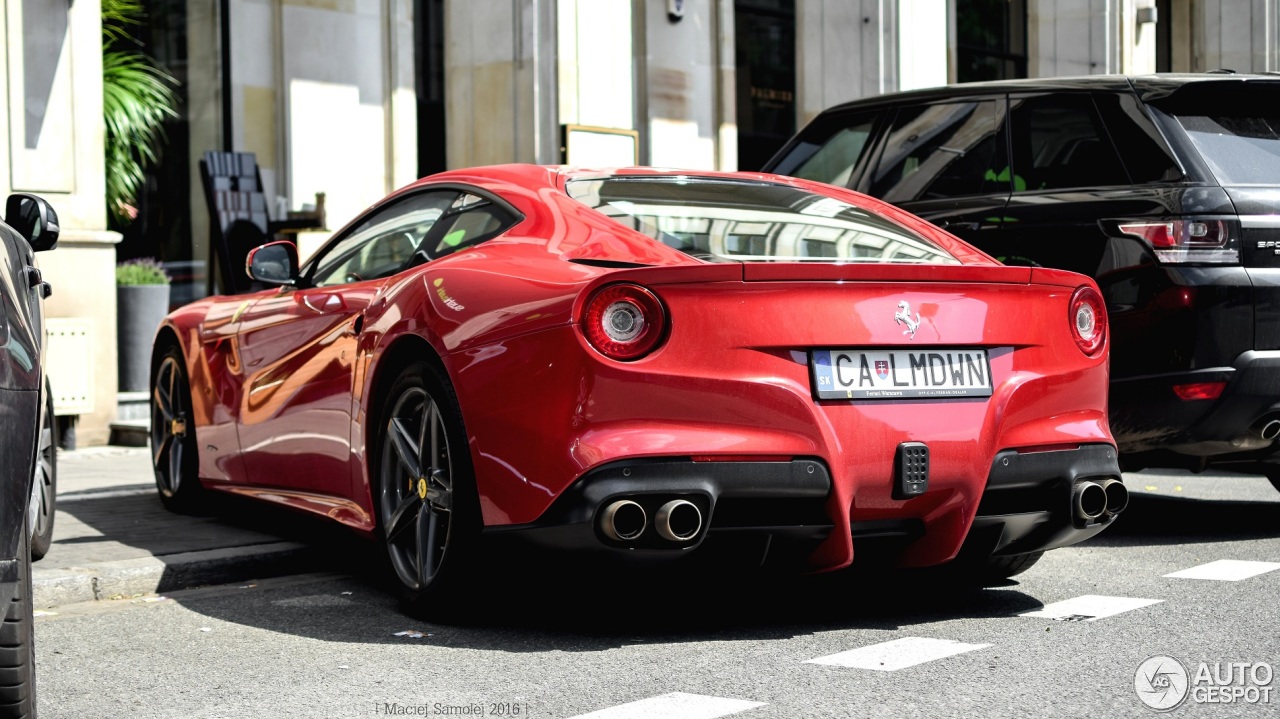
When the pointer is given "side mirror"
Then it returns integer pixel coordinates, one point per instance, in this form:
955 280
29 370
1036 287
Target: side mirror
34 219
275 263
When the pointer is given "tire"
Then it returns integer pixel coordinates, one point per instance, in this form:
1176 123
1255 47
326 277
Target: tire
426 501
173 436
46 480
17 644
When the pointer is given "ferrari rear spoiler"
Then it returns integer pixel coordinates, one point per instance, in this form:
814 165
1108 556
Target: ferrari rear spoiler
883 272
849 272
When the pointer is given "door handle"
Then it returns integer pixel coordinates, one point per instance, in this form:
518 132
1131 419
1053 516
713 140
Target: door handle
965 226
324 304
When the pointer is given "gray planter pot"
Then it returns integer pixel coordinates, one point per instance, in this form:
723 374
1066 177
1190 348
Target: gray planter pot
139 311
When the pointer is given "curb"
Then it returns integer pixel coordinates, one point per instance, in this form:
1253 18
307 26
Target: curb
151 575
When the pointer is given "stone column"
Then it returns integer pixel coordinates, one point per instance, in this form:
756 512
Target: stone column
53 62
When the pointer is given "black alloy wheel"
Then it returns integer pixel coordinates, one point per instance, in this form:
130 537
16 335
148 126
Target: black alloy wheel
173 436
18 642
426 496
46 481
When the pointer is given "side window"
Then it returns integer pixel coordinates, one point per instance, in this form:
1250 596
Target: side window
385 242
832 159
1143 150
468 221
945 150
1059 142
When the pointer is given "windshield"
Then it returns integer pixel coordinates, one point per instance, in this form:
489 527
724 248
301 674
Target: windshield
743 221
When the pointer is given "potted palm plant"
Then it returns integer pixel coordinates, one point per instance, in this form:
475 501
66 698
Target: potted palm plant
142 301
137 97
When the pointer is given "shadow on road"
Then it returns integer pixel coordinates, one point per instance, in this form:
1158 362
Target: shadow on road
531 601
528 600
1155 519
94 529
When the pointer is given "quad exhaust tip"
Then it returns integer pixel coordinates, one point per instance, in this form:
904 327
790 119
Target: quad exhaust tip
1117 496
1092 499
678 520
623 521
1089 501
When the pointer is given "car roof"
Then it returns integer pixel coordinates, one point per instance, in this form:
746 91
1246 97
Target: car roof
1147 86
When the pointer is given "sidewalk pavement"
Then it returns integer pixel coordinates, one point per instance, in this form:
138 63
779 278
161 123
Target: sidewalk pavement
112 538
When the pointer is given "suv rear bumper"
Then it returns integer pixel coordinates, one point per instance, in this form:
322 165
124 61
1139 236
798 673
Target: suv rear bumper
1146 415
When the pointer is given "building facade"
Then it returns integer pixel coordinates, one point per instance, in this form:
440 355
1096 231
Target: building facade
51 143
354 98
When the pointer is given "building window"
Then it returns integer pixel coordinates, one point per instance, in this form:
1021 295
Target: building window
991 39
765 56
162 228
428 28
1164 35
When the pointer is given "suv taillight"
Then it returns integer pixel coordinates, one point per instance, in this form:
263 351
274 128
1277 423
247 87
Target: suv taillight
1189 240
623 321
1088 318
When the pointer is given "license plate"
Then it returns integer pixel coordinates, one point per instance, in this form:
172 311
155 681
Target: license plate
900 374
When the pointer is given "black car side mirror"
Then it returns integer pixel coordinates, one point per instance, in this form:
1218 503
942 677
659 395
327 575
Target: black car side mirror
275 263
33 218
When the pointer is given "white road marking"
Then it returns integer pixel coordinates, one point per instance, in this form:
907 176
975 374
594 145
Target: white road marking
676 705
1090 607
1226 570
897 654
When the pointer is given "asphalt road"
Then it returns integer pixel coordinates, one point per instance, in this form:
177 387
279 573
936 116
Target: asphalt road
557 640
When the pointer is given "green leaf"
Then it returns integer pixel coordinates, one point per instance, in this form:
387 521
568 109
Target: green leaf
137 98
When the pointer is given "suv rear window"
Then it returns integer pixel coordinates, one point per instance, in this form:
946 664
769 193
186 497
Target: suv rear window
1234 125
743 221
1241 148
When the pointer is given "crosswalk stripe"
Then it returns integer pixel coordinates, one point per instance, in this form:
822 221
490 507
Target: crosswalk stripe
1226 570
1089 607
897 654
676 705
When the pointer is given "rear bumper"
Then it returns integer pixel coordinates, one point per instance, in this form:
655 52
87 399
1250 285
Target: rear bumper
785 500
1146 416
1026 507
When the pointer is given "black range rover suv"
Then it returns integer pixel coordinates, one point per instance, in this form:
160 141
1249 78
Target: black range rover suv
1164 188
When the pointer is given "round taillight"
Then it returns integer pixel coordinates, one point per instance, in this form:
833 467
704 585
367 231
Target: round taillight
1088 318
623 322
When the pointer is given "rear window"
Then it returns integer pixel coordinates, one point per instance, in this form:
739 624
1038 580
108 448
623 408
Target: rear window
1234 125
742 221
1241 148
